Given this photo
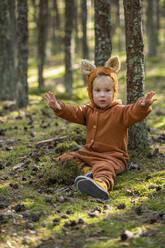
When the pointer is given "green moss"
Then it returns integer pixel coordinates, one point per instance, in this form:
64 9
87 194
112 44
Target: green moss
57 173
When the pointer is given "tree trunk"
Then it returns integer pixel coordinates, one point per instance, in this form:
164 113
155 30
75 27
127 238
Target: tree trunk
7 44
158 20
22 53
84 15
55 25
151 28
138 135
69 7
42 39
103 44
57 15
85 49
119 25
76 26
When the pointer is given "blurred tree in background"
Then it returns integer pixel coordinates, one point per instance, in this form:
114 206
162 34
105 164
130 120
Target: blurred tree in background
7 51
42 39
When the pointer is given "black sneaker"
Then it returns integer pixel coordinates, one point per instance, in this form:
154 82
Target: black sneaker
90 187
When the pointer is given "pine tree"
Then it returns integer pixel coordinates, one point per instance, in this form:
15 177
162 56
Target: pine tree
138 135
7 45
22 53
69 7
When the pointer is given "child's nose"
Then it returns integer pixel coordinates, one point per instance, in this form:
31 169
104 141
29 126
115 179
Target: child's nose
102 93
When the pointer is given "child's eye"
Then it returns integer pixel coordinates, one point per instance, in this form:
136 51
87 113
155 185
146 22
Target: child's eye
107 90
97 90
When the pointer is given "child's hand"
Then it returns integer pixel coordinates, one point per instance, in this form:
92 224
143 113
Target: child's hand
148 99
52 102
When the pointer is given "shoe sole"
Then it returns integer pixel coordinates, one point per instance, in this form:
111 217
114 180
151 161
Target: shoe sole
79 178
88 175
89 187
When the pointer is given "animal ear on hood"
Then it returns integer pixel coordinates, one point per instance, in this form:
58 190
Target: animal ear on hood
113 63
86 66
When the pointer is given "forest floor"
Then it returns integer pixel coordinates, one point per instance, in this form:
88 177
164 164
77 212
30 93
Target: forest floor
41 208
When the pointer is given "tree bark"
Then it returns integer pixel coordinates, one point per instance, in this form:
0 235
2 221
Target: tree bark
103 44
84 16
69 7
138 135
7 44
42 39
22 53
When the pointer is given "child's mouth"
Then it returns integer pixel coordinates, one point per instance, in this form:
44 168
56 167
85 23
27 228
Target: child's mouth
102 101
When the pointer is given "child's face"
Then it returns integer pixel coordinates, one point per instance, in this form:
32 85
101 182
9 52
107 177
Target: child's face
103 91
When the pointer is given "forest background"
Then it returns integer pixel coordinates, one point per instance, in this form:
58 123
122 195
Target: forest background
41 45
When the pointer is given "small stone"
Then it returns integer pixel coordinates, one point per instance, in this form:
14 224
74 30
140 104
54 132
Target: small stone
153 220
26 241
9 148
1 166
64 216
126 235
14 185
34 217
69 212
80 221
138 210
94 214
161 215
24 179
133 166
106 207
29 226
61 199
4 205
152 186
97 209
121 206
56 221
19 208
158 188
70 223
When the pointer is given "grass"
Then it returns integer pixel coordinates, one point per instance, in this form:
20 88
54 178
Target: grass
38 210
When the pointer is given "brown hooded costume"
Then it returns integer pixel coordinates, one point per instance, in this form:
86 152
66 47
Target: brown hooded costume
107 129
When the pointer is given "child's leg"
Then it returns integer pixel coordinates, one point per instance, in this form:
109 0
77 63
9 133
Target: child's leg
107 171
103 179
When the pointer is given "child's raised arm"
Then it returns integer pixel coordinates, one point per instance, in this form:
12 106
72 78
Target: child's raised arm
52 102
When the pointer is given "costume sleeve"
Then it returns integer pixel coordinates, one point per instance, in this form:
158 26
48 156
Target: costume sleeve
135 113
72 113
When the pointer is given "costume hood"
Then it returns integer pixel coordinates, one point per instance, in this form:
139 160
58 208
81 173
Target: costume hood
111 67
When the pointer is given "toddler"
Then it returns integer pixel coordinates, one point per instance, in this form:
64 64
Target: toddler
107 121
